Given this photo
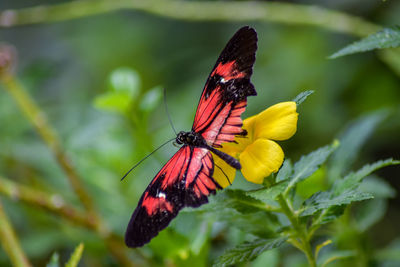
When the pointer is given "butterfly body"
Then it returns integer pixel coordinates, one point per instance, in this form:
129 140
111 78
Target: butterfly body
186 179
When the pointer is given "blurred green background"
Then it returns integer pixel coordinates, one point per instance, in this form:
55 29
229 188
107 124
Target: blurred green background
68 67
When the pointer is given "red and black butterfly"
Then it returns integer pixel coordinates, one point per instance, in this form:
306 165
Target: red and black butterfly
186 180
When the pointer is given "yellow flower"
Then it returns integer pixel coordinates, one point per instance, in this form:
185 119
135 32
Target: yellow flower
258 152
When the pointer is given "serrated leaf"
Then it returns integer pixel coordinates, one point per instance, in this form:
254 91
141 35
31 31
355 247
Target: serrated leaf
261 224
328 215
308 164
386 38
302 96
258 222
54 260
248 251
285 171
240 201
353 179
325 200
351 141
269 194
75 257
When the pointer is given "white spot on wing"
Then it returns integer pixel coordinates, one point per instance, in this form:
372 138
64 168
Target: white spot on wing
223 80
161 194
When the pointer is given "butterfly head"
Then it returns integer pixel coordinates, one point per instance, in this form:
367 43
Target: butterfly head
189 138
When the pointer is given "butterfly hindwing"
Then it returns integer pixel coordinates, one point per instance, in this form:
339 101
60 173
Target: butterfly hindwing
185 181
224 97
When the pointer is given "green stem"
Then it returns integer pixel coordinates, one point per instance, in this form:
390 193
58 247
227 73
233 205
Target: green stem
51 202
196 11
10 242
38 119
300 232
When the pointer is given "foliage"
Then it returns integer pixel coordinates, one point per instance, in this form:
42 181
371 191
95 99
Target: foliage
73 260
279 196
81 102
248 251
386 38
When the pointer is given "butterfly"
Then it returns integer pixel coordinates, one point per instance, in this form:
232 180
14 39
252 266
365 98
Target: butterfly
186 179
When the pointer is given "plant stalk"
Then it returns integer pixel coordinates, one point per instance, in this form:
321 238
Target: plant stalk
10 242
195 11
39 120
300 233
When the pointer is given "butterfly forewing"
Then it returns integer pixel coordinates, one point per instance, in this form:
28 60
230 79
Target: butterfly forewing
186 179
224 97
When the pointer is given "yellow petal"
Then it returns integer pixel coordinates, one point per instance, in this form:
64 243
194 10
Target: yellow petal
224 174
235 148
278 122
260 159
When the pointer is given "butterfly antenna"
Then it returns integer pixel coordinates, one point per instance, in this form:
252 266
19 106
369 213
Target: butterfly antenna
166 110
137 164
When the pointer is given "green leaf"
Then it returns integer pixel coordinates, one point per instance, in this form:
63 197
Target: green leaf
125 80
285 171
329 215
308 164
386 38
353 179
240 201
151 99
326 200
54 261
113 101
248 251
243 212
302 96
269 194
351 141
76 256
261 224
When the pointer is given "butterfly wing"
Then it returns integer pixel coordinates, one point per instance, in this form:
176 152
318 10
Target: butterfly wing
224 96
185 180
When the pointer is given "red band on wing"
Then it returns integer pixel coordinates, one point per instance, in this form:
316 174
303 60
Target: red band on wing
156 204
228 71
185 180
175 168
